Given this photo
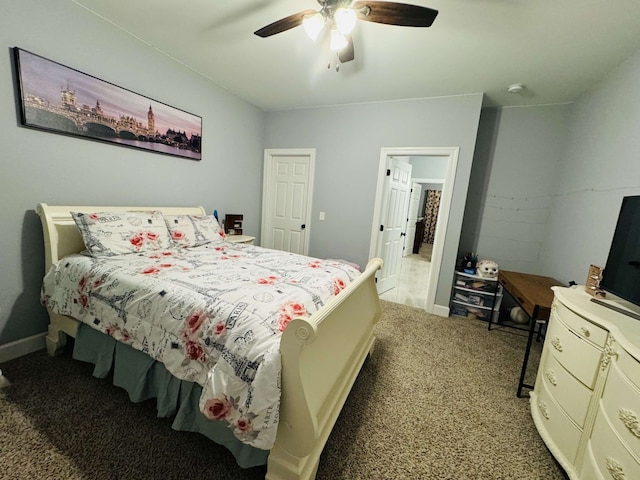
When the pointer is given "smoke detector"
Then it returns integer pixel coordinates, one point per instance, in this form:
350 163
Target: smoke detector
515 88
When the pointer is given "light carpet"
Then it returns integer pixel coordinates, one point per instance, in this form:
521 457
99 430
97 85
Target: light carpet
435 401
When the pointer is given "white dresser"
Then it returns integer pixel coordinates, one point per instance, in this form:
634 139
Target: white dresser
586 400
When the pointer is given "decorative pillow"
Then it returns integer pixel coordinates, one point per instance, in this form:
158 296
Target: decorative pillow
194 230
106 234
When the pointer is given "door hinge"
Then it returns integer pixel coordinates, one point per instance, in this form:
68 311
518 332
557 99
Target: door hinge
388 172
382 228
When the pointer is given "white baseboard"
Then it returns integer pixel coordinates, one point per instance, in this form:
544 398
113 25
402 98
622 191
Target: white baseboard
441 310
22 347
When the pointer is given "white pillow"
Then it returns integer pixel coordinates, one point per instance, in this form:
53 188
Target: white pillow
119 233
194 230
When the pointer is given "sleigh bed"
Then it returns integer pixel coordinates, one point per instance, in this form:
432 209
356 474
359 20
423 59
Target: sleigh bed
314 342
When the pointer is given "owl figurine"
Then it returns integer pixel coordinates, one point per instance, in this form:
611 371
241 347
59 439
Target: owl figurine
487 269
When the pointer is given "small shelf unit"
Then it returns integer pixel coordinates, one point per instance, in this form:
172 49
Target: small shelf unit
474 296
233 224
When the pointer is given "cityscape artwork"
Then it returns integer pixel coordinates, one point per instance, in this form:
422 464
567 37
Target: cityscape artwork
63 100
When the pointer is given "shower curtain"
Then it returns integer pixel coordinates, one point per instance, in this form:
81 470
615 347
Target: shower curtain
432 206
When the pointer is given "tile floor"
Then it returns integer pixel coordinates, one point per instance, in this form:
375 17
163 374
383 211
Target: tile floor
413 279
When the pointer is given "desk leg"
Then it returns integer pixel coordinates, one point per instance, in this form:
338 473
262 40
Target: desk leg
525 361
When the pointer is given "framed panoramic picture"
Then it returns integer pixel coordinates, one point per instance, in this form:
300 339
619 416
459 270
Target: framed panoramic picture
63 100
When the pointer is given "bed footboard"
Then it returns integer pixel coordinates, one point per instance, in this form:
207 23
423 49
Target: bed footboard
321 358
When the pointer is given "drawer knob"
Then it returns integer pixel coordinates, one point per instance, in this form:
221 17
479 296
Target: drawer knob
556 344
585 331
551 375
544 409
615 469
630 421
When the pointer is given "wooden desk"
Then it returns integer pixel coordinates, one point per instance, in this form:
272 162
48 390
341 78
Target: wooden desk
533 293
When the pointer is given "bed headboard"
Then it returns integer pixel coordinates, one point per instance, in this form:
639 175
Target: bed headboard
62 237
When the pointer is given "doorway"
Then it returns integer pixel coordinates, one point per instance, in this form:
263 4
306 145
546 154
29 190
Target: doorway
451 156
412 216
393 223
286 199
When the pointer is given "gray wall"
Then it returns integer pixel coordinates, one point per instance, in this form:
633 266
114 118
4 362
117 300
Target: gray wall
433 167
348 140
547 182
513 184
600 166
55 169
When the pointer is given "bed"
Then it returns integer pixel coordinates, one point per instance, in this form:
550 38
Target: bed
320 353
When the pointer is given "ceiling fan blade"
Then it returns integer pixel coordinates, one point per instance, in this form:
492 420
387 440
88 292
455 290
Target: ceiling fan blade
347 53
392 13
283 24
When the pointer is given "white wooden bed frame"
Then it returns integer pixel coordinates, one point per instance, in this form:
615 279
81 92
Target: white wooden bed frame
321 355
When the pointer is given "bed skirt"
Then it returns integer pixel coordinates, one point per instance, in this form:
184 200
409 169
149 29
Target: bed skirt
144 378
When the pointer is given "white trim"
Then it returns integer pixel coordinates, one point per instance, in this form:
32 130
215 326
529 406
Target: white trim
442 310
24 346
267 178
443 213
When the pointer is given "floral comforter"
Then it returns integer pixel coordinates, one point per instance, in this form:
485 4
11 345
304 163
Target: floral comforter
213 314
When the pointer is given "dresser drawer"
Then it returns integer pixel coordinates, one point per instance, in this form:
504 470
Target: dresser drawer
573 352
589 467
580 325
611 457
564 433
621 403
566 390
629 366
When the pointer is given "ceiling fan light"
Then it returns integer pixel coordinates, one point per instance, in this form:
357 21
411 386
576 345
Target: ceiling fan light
313 25
345 20
338 41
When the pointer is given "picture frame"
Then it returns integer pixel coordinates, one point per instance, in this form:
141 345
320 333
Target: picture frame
60 99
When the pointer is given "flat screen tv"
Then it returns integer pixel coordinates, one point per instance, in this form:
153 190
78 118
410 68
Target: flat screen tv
621 275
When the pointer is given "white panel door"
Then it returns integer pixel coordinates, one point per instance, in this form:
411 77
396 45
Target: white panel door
286 200
412 218
394 217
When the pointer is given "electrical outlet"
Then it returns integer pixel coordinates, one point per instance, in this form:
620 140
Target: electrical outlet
321 215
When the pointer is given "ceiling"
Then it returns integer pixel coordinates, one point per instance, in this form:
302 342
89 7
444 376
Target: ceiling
556 49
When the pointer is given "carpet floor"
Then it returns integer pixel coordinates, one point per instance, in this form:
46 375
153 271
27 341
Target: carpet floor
435 401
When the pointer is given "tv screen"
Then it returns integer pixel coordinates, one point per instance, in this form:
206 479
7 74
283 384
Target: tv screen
621 274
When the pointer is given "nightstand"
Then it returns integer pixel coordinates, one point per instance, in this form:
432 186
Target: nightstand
248 239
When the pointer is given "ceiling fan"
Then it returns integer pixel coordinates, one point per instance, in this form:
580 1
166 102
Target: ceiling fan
340 17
